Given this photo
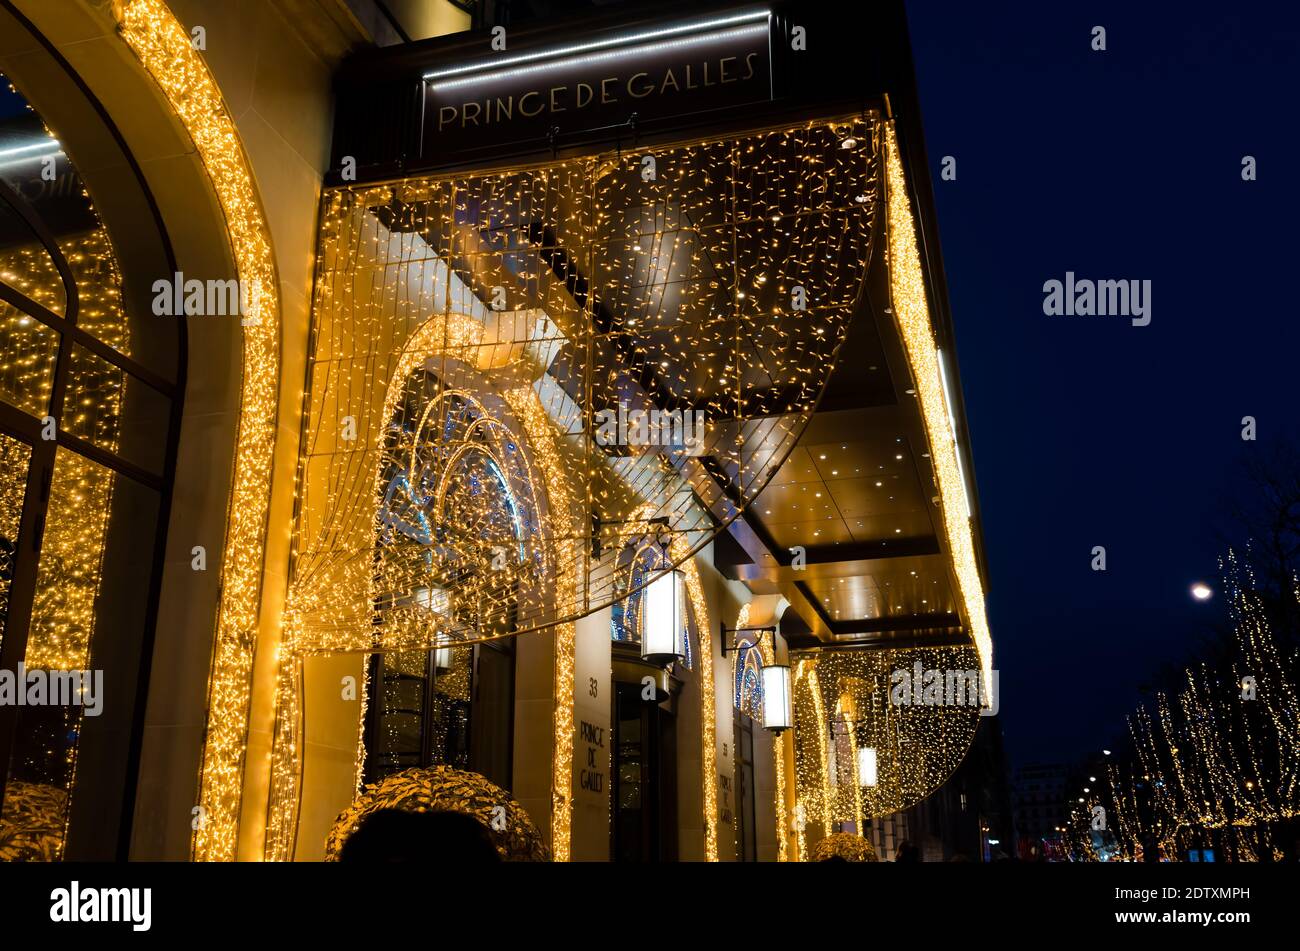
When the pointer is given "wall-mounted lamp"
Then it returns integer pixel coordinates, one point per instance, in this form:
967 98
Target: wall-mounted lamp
663 619
778 711
867 774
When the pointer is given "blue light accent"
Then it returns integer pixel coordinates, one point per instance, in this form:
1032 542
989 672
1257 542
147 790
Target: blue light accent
515 518
749 681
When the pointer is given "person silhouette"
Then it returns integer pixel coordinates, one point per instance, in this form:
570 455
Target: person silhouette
398 835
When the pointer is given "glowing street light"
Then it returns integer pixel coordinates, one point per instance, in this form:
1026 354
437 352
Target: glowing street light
1201 591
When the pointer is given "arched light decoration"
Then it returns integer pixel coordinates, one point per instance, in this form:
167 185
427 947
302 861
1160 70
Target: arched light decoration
867 775
663 619
674 333
915 709
630 351
164 49
778 713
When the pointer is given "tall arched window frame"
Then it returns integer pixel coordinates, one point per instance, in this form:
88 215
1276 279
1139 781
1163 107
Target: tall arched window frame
89 396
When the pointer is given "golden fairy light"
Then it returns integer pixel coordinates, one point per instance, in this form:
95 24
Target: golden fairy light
912 312
582 342
1219 761
164 49
917 708
63 623
768 654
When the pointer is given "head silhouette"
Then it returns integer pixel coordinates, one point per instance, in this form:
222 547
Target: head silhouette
396 835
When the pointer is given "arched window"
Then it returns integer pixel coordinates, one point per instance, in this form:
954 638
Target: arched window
86 427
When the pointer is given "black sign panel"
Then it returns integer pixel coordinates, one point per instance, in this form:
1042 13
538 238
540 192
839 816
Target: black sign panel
644 75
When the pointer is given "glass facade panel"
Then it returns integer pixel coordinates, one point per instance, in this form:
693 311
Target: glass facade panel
75 596
112 409
27 359
15 458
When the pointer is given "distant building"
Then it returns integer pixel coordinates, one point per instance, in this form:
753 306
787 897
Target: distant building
1039 793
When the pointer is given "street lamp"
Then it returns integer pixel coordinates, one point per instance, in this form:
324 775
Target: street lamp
778 713
776 697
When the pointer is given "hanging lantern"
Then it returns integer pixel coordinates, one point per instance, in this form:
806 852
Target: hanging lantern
663 619
776 697
867 775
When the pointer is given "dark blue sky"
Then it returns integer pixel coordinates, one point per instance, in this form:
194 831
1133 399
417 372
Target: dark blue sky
1089 431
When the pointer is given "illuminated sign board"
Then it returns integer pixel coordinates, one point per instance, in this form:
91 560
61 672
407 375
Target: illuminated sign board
600 84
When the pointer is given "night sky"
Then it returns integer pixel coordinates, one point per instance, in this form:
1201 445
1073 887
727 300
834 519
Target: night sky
1087 430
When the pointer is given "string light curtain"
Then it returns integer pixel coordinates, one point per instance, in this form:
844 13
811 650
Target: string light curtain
631 308
918 738
625 346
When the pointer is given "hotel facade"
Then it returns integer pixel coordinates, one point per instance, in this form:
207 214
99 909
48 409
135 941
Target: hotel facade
443 405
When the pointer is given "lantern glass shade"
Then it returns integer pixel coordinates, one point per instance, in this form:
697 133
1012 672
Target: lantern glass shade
663 619
776 697
867 775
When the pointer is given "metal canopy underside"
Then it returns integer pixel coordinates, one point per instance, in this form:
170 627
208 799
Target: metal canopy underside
859 494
